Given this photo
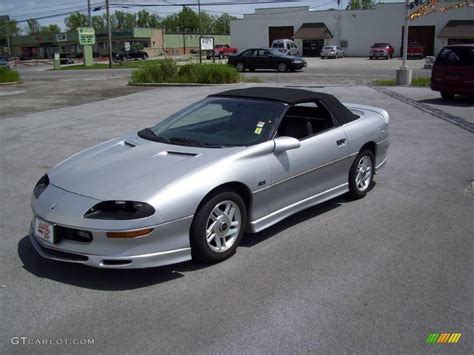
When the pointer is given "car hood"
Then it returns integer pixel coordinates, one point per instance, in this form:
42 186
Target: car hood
130 168
292 57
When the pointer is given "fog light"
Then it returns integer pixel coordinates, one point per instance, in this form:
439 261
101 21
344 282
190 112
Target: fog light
130 234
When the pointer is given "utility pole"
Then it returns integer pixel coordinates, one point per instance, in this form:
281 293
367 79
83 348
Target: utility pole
200 31
404 73
109 31
339 3
89 12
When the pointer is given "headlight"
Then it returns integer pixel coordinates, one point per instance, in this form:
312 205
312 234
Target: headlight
41 185
297 62
120 210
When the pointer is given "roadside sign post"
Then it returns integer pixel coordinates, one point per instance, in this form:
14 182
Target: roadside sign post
206 44
57 61
87 40
127 48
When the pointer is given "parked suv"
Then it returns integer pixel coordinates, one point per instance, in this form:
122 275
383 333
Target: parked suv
381 50
286 46
132 54
453 71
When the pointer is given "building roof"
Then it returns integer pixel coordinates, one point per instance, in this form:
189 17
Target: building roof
459 29
294 96
315 30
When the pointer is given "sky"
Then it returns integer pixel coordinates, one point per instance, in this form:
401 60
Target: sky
21 10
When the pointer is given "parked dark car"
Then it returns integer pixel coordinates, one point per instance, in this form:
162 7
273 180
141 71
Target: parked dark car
453 71
66 58
131 54
266 58
381 50
3 62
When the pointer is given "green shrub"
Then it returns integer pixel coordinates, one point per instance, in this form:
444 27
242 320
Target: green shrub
7 75
384 82
421 81
166 71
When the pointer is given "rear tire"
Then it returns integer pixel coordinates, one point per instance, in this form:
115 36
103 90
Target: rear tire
447 95
240 67
282 67
361 174
218 227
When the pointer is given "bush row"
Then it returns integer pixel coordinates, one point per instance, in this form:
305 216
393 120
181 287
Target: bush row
167 71
7 75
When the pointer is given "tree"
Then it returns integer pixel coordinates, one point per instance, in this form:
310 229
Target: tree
222 23
32 27
50 29
75 20
124 21
8 28
361 5
146 19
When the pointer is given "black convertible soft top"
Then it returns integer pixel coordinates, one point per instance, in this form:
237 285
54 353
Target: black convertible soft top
294 96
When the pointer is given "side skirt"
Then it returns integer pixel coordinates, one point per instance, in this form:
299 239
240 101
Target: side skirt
277 216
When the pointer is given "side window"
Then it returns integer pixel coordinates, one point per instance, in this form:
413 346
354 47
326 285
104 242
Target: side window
280 45
248 53
305 120
263 53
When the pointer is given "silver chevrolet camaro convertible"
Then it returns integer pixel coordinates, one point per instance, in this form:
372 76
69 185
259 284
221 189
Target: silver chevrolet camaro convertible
192 185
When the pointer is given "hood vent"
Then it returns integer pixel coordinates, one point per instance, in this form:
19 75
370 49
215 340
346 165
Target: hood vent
127 144
171 152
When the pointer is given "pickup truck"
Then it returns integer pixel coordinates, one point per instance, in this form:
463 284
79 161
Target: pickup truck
221 51
132 54
416 49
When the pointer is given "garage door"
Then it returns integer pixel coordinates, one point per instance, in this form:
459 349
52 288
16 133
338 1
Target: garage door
424 35
279 32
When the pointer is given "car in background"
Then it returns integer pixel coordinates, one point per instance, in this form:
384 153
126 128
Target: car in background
66 58
4 62
266 58
131 54
416 50
453 71
332 52
221 51
381 50
286 46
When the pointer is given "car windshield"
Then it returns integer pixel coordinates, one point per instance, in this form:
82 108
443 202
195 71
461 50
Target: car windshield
217 122
380 45
329 47
456 56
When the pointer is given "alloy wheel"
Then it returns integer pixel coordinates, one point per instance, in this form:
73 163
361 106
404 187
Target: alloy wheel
223 226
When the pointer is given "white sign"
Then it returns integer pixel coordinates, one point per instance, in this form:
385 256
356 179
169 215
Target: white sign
207 43
56 56
127 46
61 37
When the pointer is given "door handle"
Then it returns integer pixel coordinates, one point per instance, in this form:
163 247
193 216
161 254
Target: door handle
340 142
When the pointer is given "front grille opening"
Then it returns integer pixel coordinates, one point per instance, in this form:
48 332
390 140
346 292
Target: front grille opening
72 234
116 262
63 254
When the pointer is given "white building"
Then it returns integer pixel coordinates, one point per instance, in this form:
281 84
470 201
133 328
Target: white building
358 29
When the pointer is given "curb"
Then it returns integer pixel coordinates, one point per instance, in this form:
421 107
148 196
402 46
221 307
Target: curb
177 84
11 83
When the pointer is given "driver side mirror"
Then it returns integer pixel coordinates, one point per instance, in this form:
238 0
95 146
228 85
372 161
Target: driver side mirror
285 143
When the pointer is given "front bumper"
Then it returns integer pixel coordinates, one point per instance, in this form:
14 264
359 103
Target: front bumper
167 244
328 54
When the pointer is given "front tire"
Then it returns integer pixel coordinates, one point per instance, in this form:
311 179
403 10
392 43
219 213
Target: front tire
218 227
447 95
361 174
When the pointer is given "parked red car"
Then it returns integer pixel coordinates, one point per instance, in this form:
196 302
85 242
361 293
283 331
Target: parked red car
416 49
222 50
381 50
453 71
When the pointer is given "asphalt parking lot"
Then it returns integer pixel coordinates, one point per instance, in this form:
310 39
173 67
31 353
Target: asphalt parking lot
45 89
369 276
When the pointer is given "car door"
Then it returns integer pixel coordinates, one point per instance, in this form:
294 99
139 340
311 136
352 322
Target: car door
317 167
264 59
250 58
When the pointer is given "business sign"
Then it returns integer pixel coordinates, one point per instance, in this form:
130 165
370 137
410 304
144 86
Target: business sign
127 46
61 37
207 43
86 36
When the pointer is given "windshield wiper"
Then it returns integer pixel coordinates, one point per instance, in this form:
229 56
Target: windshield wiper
193 142
148 133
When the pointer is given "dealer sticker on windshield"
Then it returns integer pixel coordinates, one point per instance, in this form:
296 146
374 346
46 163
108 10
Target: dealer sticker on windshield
44 230
258 130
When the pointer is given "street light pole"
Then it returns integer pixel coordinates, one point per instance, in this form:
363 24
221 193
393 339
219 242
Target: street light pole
109 33
89 12
200 31
404 73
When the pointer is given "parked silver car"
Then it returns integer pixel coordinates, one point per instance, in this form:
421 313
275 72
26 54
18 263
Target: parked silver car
332 52
192 185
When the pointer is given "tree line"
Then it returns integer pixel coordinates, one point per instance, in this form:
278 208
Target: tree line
187 20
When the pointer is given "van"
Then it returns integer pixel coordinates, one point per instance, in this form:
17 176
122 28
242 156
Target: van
286 46
453 71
